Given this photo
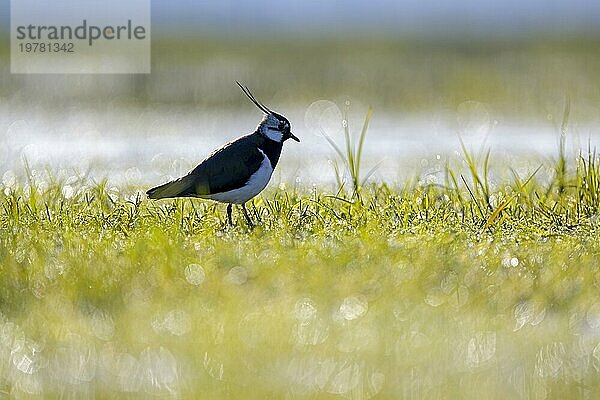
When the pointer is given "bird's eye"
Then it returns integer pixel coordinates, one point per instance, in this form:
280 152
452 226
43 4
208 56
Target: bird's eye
281 126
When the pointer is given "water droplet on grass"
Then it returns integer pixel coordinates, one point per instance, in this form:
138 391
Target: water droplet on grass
449 282
133 174
68 191
176 322
314 332
102 324
596 357
529 312
435 297
75 361
305 310
9 179
53 269
481 348
194 274
353 307
128 373
237 276
346 379
323 116
159 370
214 367
523 313
593 316
550 359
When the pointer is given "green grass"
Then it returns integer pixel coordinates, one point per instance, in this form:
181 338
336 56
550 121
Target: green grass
464 290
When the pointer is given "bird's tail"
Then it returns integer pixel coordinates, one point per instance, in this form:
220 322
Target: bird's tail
176 188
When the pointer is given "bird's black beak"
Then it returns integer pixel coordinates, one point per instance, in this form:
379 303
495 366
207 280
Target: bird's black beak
292 136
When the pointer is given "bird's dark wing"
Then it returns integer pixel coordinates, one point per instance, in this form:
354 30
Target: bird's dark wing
227 168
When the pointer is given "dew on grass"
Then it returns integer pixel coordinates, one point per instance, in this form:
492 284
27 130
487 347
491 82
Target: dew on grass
25 355
550 359
28 363
523 313
592 316
481 348
32 153
305 310
251 328
309 374
460 297
596 357
128 373
72 179
9 179
30 384
435 297
346 377
194 274
23 363
53 269
359 338
353 307
140 291
159 371
102 324
68 191
74 361
38 288
214 367
133 174
309 330
401 310
350 378
237 276
528 313
176 322
494 200
312 332
449 282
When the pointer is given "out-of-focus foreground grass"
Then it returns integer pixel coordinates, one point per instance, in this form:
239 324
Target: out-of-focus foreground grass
453 291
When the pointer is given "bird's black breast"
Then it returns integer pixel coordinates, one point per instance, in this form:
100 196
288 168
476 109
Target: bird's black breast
271 148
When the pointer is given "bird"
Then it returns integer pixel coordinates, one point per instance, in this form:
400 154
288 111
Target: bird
237 171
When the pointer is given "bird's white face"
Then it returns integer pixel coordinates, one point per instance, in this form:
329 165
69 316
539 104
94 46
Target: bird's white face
273 127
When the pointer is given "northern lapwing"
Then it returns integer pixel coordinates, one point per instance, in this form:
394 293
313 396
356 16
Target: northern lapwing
239 170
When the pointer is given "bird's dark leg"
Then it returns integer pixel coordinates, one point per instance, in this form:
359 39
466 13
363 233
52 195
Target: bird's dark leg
246 215
229 214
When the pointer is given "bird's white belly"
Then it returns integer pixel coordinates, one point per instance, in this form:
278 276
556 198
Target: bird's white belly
257 182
